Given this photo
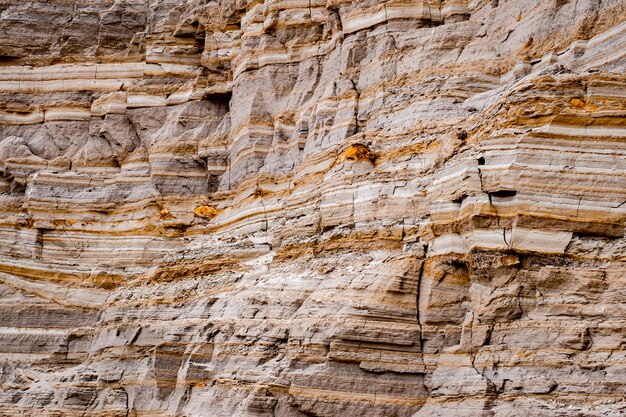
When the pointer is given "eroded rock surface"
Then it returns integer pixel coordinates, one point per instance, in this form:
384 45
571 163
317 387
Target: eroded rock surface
313 208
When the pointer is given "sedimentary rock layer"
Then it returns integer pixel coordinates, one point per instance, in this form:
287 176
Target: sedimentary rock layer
312 208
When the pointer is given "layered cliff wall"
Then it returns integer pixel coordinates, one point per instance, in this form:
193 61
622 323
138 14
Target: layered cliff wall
312 208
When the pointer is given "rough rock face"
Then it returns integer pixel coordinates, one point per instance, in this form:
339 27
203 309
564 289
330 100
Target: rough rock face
312 208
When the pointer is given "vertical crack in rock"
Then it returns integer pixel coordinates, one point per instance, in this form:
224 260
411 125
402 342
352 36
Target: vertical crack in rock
417 298
126 401
356 107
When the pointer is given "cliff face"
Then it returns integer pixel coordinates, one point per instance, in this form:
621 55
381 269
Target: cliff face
313 208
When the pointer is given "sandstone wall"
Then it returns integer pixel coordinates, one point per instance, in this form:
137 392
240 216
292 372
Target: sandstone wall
312 208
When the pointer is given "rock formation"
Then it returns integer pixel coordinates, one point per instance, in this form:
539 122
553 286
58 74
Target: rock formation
312 208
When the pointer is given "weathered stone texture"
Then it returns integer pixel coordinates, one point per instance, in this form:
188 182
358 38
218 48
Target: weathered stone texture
312 208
